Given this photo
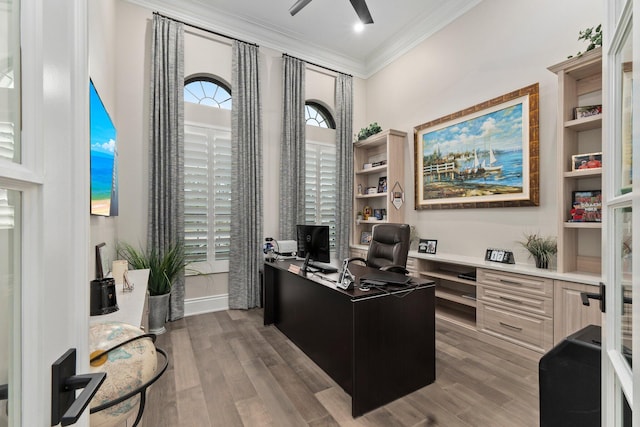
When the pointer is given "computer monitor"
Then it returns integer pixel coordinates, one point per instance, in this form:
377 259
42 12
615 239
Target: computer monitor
313 243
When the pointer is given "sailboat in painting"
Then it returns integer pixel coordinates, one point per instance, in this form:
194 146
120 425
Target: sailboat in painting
492 168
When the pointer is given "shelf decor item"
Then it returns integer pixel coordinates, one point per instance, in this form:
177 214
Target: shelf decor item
542 249
365 238
365 133
587 111
500 255
586 161
427 246
382 184
481 157
586 206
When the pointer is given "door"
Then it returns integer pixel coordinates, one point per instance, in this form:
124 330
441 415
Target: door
620 351
44 201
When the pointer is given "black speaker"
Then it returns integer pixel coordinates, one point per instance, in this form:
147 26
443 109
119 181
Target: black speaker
569 376
103 296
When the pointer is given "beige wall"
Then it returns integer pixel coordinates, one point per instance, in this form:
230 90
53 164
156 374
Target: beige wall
497 47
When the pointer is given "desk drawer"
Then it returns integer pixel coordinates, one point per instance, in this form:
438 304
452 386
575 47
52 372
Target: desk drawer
531 331
516 282
529 303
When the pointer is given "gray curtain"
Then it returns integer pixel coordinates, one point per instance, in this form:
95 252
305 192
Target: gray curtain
292 148
344 161
246 256
166 147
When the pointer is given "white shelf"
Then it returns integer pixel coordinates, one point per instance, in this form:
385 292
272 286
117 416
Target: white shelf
593 225
371 196
585 123
372 170
586 173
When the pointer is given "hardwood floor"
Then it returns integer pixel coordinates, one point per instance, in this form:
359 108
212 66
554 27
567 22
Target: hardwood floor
227 369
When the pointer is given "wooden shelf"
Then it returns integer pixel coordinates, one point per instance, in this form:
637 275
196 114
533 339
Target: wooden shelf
585 123
371 196
466 319
586 173
592 225
371 170
451 276
454 296
371 221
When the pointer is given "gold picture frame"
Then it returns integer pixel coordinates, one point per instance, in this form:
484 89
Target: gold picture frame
484 156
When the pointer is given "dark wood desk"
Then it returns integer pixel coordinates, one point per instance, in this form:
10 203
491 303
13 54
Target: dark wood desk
377 345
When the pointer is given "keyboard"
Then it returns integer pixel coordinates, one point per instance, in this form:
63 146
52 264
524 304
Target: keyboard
323 268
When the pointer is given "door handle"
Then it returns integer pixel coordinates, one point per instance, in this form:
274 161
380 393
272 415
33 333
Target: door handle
586 296
65 407
4 392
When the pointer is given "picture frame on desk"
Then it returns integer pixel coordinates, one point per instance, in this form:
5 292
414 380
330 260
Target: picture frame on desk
427 246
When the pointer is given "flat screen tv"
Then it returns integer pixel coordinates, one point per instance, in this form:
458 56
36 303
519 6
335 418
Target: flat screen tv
103 158
313 243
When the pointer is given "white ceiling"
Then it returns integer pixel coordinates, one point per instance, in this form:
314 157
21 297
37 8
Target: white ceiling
322 32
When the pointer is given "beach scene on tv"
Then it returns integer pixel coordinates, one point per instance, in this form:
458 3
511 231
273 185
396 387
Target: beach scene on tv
476 157
104 158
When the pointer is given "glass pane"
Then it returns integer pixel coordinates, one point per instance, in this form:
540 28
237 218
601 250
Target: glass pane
624 59
9 303
623 276
10 81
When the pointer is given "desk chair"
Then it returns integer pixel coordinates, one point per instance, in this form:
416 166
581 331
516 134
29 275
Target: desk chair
388 248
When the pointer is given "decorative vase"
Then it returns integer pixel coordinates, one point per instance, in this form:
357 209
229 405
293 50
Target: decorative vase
542 262
158 309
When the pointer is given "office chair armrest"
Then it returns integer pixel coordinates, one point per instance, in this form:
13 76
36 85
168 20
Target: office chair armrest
362 260
395 269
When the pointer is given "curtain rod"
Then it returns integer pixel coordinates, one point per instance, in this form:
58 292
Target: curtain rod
197 27
317 65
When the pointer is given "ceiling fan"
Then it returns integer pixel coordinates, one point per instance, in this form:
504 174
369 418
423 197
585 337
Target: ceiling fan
360 7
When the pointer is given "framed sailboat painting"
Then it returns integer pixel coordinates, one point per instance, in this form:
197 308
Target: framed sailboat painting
482 157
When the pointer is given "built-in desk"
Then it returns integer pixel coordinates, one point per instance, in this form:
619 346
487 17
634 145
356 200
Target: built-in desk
378 345
130 303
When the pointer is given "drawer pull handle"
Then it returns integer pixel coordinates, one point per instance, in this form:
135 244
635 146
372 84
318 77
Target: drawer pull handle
515 301
506 325
509 282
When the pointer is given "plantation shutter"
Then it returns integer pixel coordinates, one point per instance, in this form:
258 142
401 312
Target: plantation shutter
320 186
207 176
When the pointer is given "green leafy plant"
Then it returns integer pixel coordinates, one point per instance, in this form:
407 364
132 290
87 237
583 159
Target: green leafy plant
541 248
591 35
368 131
163 269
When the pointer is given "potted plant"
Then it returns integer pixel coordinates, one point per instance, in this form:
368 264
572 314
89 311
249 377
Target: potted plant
163 271
359 216
541 248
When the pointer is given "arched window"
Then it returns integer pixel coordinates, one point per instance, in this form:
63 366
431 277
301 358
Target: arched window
316 114
206 90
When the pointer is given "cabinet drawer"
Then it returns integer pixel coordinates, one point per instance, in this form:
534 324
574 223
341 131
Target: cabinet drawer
516 282
531 331
529 303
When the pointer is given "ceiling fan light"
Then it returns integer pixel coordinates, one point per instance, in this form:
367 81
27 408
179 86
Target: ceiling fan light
297 7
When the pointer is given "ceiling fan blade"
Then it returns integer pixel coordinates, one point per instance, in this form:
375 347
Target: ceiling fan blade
297 7
362 10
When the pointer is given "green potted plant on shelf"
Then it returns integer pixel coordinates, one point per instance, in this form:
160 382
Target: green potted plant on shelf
163 271
541 248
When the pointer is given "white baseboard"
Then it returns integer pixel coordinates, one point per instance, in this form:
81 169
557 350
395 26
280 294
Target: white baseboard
207 304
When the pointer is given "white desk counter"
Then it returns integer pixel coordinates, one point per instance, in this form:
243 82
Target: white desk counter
131 303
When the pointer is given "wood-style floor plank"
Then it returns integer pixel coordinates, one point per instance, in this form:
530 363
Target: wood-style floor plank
228 369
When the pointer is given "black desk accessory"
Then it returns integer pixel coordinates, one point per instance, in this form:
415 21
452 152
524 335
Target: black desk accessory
499 255
103 290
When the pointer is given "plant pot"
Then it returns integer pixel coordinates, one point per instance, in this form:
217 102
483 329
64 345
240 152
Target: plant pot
542 263
158 309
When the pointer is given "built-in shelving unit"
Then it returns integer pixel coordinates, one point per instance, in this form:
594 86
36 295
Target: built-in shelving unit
386 147
579 85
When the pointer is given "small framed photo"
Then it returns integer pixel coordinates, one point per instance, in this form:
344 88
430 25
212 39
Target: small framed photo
586 206
586 161
427 246
377 213
588 111
382 184
365 237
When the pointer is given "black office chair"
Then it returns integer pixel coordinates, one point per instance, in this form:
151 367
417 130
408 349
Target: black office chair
388 248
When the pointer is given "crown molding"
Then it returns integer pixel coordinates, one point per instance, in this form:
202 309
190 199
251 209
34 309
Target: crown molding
292 43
